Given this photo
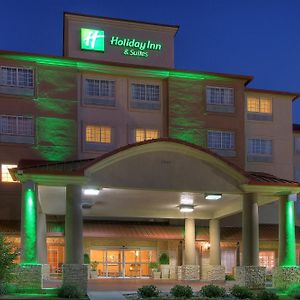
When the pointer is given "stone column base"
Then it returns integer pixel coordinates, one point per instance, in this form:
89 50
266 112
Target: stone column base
46 271
283 277
75 275
251 276
188 272
172 272
29 277
215 273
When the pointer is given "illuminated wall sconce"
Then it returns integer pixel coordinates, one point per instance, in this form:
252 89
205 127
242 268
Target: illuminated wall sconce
212 196
186 208
91 191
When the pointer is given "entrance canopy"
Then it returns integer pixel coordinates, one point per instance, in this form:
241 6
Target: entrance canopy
152 179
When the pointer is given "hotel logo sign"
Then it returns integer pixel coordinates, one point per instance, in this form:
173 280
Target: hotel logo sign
94 40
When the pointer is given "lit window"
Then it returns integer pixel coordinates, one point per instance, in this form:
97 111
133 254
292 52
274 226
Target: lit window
221 140
98 134
5 175
259 105
142 134
260 147
267 259
16 125
20 77
220 95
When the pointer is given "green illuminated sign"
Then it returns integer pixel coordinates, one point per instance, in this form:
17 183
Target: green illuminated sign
92 39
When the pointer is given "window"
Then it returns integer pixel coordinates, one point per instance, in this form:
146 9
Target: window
221 140
17 77
99 92
98 134
259 108
228 259
220 95
145 96
142 134
16 125
297 144
260 147
267 259
5 175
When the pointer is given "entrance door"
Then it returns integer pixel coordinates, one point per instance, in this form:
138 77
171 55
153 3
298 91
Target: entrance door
114 263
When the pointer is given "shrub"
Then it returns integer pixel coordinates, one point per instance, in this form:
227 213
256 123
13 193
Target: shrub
148 291
8 254
153 265
241 292
212 291
294 291
164 259
70 291
229 277
183 291
266 295
86 259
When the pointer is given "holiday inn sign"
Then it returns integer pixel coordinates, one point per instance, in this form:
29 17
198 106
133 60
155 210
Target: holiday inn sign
94 40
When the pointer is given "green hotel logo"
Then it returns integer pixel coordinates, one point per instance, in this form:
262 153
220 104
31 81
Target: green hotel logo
92 39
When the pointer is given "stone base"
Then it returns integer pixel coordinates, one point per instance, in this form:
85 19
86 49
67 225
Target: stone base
76 275
216 273
29 277
251 276
173 272
188 272
46 271
283 277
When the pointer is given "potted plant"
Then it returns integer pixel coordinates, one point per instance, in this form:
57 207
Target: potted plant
93 271
164 262
154 270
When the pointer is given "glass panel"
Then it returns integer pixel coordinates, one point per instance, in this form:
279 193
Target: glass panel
267 259
114 263
253 104
228 260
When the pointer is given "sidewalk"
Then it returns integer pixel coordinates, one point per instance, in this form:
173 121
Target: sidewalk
106 296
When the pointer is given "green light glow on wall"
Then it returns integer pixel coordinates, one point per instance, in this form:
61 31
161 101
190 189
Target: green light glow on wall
92 39
98 67
30 230
56 138
290 253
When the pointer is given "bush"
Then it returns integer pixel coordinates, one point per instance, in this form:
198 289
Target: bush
70 291
266 295
8 254
164 259
148 291
294 291
3 289
241 292
212 291
181 291
229 277
86 259
153 265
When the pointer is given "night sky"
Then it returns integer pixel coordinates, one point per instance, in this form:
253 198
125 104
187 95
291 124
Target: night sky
251 37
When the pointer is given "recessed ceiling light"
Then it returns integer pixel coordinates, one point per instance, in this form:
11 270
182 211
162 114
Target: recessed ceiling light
213 196
184 208
91 191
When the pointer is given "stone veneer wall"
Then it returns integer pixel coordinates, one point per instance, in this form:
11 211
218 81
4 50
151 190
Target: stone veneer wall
76 275
188 272
29 277
283 277
251 276
46 271
216 273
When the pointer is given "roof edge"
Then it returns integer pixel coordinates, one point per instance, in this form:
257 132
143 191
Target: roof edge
278 92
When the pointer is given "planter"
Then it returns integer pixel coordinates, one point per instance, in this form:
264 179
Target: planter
156 274
93 274
165 271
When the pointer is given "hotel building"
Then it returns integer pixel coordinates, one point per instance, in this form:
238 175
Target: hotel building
111 152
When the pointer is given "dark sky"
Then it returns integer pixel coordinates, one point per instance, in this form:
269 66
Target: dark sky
251 37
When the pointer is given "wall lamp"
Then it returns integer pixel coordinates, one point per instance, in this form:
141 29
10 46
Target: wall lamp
212 196
91 191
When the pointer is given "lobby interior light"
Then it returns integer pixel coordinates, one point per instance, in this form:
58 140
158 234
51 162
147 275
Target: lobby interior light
213 196
91 191
186 208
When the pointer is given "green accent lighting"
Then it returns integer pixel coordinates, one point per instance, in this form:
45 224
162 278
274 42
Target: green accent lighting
30 230
290 253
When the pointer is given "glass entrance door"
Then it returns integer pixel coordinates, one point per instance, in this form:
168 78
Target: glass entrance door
123 262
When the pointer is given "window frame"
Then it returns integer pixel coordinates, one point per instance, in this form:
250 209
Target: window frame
145 133
232 145
257 156
220 88
259 115
11 166
18 119
17 84
100 127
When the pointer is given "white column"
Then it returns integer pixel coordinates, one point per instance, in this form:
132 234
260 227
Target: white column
189 242
214 239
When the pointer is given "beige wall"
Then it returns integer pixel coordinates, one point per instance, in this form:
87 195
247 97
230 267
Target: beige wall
163 35
279 130
296 155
